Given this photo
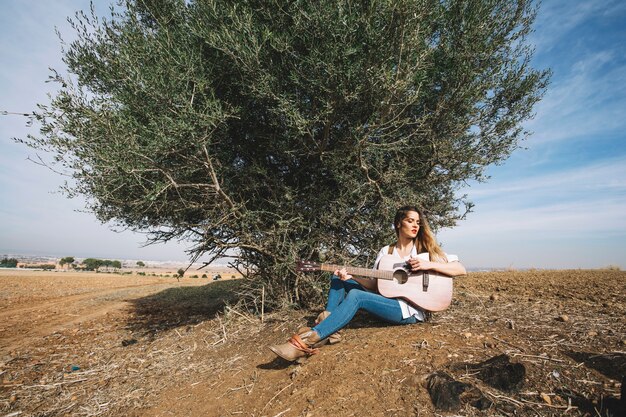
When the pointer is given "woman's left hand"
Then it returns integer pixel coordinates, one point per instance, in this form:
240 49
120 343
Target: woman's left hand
342 274
418 264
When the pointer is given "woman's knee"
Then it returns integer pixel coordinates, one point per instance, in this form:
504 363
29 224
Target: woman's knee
357 296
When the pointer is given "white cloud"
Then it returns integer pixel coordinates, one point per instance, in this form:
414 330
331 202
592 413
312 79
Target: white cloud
605 176
589 100
571 218
557 19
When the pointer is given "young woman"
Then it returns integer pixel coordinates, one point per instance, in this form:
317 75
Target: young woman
348 294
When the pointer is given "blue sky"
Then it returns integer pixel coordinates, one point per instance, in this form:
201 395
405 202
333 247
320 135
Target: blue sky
558 203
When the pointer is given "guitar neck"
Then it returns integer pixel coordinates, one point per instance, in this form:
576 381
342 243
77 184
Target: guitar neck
362 272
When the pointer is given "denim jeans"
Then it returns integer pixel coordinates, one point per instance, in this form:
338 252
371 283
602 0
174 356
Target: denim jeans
345 298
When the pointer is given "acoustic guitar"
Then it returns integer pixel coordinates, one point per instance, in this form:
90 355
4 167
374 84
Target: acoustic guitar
427 290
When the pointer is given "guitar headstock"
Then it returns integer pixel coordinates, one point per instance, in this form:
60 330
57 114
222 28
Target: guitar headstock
307 266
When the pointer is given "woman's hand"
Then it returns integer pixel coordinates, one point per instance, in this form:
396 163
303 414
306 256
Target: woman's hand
451 269
418 264
343 274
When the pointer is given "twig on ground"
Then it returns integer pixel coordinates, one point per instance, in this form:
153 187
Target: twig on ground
49 386
282 412
276 395
561 407
508 343
538 356
263 304
241 315
223 328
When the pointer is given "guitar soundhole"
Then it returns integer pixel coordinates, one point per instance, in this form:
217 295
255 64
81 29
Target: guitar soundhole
400 276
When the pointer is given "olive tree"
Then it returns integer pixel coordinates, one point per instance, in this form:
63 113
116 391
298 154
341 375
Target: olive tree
276 130
68 260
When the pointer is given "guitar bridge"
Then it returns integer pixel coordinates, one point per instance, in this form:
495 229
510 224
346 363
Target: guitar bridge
425 279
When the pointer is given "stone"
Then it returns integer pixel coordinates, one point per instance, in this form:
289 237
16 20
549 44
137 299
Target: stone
499 372
545 397
449 395
445 391
128 342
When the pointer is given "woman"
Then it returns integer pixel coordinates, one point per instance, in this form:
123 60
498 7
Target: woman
348 294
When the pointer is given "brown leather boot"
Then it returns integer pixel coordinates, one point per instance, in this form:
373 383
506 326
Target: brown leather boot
333 338
322 316
304 343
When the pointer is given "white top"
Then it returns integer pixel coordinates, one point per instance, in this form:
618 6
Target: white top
407 309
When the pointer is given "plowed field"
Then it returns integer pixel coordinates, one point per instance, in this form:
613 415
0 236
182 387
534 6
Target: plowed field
87 345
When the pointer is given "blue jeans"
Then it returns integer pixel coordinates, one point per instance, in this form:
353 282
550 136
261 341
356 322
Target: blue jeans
345 298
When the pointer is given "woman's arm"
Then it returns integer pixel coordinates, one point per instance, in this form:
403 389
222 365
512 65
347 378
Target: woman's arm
451 269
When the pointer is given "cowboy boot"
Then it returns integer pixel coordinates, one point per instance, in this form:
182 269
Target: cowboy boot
333 338
304 343
322 316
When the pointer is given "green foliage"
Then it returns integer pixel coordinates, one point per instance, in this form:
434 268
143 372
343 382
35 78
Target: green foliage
204 276
140 264
8 262
92 264
68 260
45 267
291 129
180 273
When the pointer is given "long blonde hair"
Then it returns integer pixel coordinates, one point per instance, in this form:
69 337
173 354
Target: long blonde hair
425 240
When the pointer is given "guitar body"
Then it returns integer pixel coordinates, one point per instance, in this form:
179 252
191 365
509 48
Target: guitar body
427 290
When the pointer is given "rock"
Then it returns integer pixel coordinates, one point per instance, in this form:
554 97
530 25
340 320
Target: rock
494 297
501 373
445 391
128 342
546 398
591 333
467 335
448 394
563 318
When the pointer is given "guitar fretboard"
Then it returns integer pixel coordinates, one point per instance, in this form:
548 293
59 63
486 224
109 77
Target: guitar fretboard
362 272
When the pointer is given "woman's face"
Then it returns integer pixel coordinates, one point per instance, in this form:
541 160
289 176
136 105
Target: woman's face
409 226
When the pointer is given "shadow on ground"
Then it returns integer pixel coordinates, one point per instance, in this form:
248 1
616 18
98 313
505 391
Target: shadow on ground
611 365
181 306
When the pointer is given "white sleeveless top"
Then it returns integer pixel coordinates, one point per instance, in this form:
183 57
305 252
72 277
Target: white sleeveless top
407 309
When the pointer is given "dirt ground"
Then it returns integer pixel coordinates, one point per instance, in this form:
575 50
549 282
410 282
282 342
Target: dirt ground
87 345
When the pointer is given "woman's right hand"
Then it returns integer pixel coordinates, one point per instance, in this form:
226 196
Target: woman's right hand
343 274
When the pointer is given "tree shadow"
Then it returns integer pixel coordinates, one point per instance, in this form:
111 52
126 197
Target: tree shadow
180 306
611 365
603 407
